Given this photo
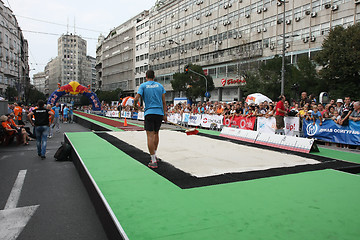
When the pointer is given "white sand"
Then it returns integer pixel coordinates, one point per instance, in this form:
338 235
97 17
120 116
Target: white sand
202 156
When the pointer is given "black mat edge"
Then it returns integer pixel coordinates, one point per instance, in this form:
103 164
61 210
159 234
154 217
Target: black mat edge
110 227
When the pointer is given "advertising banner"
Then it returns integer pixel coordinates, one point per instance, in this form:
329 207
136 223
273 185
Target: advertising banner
268 125
141 116
329 131
186 117
134 116
114 114
125 114
247 123
174 118
195 120
207 120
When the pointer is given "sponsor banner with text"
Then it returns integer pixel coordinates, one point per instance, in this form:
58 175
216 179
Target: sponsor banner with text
195 120
247 123
114 114
329 131
207 120
174 118
268 125
125 114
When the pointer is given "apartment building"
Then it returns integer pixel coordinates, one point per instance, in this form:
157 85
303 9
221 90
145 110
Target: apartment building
39 80
71 64
14 66
229 37
141 50
118 53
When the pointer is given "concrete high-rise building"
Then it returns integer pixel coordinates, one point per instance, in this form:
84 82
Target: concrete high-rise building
116 55
14 66
98 64
228 37
141 50
71 64
39 80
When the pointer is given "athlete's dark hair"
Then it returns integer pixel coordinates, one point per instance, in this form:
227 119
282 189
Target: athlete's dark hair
150 74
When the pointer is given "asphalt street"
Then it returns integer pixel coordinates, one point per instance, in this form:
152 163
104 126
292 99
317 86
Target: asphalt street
64 208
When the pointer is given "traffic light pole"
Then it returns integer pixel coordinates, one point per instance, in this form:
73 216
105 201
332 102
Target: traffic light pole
200 76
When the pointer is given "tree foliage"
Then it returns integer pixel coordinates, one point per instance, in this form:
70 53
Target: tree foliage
11 93
340 62
108 96
191 84
267 80
34 95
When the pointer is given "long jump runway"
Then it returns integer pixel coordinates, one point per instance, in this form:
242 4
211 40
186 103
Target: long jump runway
199 192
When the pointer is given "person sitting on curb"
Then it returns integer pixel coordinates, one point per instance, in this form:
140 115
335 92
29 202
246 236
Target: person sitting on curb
10 132
20 129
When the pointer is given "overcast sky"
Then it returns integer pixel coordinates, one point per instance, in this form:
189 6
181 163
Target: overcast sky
98 16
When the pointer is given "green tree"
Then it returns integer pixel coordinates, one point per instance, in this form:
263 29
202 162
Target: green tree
11 93
308 79
108 96
84 100
340 62
192 84
35 95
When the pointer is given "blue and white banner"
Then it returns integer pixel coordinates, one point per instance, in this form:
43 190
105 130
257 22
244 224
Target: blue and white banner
329 131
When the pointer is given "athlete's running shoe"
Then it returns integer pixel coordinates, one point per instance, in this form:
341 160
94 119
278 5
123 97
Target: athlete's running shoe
152 165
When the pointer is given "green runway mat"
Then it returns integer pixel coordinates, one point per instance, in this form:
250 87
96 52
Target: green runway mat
312 205
338 154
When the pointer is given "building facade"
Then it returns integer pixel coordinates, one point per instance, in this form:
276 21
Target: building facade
141 50
71 64
39 80
14 66
229 37
116 54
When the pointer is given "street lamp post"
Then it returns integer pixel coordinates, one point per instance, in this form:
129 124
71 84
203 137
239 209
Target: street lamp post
178 47
283 51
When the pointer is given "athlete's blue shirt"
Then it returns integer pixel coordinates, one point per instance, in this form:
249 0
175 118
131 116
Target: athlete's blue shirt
66 111
56 110
151 92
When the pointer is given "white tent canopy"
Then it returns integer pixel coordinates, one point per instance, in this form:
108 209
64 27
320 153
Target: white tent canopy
257 98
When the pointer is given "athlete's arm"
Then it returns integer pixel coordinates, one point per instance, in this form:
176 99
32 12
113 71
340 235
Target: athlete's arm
164 107
136 99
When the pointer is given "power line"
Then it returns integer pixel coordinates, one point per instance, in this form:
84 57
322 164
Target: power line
55 34
59 24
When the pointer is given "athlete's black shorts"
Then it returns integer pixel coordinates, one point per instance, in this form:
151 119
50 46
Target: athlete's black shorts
153 122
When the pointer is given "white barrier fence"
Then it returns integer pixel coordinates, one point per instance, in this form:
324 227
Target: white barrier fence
265 125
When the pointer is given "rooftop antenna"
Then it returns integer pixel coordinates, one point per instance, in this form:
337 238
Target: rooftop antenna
74 27
67 26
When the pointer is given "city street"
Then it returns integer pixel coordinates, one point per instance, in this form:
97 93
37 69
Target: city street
58 206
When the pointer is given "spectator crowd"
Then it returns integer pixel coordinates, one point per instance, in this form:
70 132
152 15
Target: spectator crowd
12 124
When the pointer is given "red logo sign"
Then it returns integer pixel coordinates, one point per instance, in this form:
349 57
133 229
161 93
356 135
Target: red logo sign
231 81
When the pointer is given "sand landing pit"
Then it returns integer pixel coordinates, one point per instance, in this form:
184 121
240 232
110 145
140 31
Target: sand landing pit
202 156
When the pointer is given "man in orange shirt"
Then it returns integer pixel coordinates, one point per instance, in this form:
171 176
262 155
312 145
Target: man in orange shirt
10 132
20 129
18 114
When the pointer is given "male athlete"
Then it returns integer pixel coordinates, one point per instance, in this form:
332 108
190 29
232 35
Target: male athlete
153 94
